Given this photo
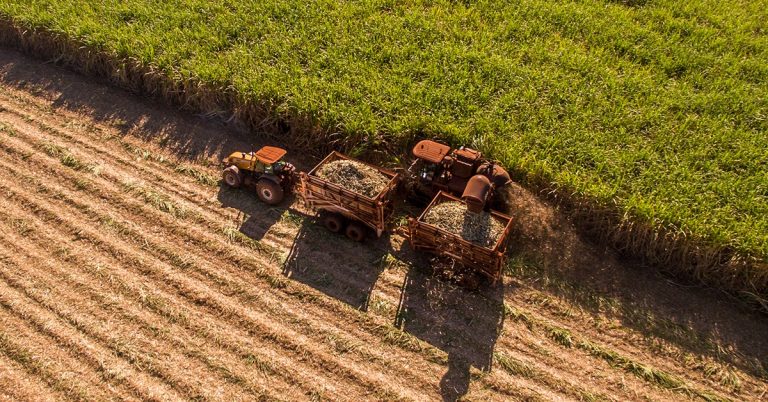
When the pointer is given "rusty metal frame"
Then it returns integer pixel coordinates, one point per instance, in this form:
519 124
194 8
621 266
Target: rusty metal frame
321 194
426 237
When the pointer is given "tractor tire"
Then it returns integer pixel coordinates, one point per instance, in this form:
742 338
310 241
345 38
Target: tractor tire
333 222
269 192
355 232
232 177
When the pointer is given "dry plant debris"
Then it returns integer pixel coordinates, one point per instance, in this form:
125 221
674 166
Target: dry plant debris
354 176
478 228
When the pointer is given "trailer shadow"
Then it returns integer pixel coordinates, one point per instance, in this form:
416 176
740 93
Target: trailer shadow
462 323
335 265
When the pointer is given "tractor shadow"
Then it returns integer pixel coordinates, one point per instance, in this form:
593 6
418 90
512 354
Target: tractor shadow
464 324
334 265
254 218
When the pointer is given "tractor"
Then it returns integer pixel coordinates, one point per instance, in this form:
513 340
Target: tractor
263 169
462 172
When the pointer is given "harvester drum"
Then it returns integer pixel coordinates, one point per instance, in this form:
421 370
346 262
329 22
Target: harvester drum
476 193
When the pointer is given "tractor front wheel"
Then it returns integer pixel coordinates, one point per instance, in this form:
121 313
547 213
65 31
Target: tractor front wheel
232 176
269 192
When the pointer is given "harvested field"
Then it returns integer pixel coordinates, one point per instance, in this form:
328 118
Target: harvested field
128 273
479 228
354 176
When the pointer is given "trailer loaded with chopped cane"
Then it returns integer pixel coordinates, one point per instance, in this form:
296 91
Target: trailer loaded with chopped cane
356 199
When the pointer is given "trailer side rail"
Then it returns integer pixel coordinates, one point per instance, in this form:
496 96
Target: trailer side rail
426 237
323 195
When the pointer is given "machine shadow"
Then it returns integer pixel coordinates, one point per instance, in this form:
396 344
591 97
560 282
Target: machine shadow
464 324
254 218
334 265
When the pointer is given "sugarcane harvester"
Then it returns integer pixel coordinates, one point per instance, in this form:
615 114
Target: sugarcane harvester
461 172
438 175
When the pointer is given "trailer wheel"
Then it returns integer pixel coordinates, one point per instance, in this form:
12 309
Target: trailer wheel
356 232
232 176
269 192
333 222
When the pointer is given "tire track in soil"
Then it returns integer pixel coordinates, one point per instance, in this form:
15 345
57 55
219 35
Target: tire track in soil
575 394
304 370
204 300
22 303
44 311
159 176
43 358
140 288
163 183
115 301
182 186
623 346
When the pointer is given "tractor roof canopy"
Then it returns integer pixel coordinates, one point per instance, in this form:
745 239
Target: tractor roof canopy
431 151
270 155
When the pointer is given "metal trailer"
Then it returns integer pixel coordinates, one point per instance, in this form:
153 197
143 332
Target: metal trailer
484 260
356 209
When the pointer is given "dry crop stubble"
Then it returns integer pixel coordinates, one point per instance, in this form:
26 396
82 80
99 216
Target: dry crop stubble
194 296
154 246
225 256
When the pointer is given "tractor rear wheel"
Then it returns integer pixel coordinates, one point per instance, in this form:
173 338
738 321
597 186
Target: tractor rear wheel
232 176
333 222
269 192
355 231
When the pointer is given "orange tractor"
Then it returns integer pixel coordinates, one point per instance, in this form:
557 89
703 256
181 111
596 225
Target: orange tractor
265 169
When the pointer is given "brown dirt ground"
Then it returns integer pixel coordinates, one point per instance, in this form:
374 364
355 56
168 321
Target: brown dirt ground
123 277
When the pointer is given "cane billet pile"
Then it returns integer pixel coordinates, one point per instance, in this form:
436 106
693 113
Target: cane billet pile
354 176
478 228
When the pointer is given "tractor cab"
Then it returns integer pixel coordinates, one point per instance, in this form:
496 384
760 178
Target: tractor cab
260 161
430 159
264 168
